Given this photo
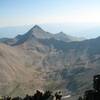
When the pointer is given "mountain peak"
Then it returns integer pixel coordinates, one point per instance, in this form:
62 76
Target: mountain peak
61 33
36 28
38 32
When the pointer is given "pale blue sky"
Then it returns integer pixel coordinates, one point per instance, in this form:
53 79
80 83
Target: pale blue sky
19 12
26 12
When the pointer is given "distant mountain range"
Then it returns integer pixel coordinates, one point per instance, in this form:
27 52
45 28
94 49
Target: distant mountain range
39 59
39 33
87 31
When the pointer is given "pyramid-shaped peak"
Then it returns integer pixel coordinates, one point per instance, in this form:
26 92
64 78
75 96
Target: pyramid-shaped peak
36 29
38 32
36 26
61 33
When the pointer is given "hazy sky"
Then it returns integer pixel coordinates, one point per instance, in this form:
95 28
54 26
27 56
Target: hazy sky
25 12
